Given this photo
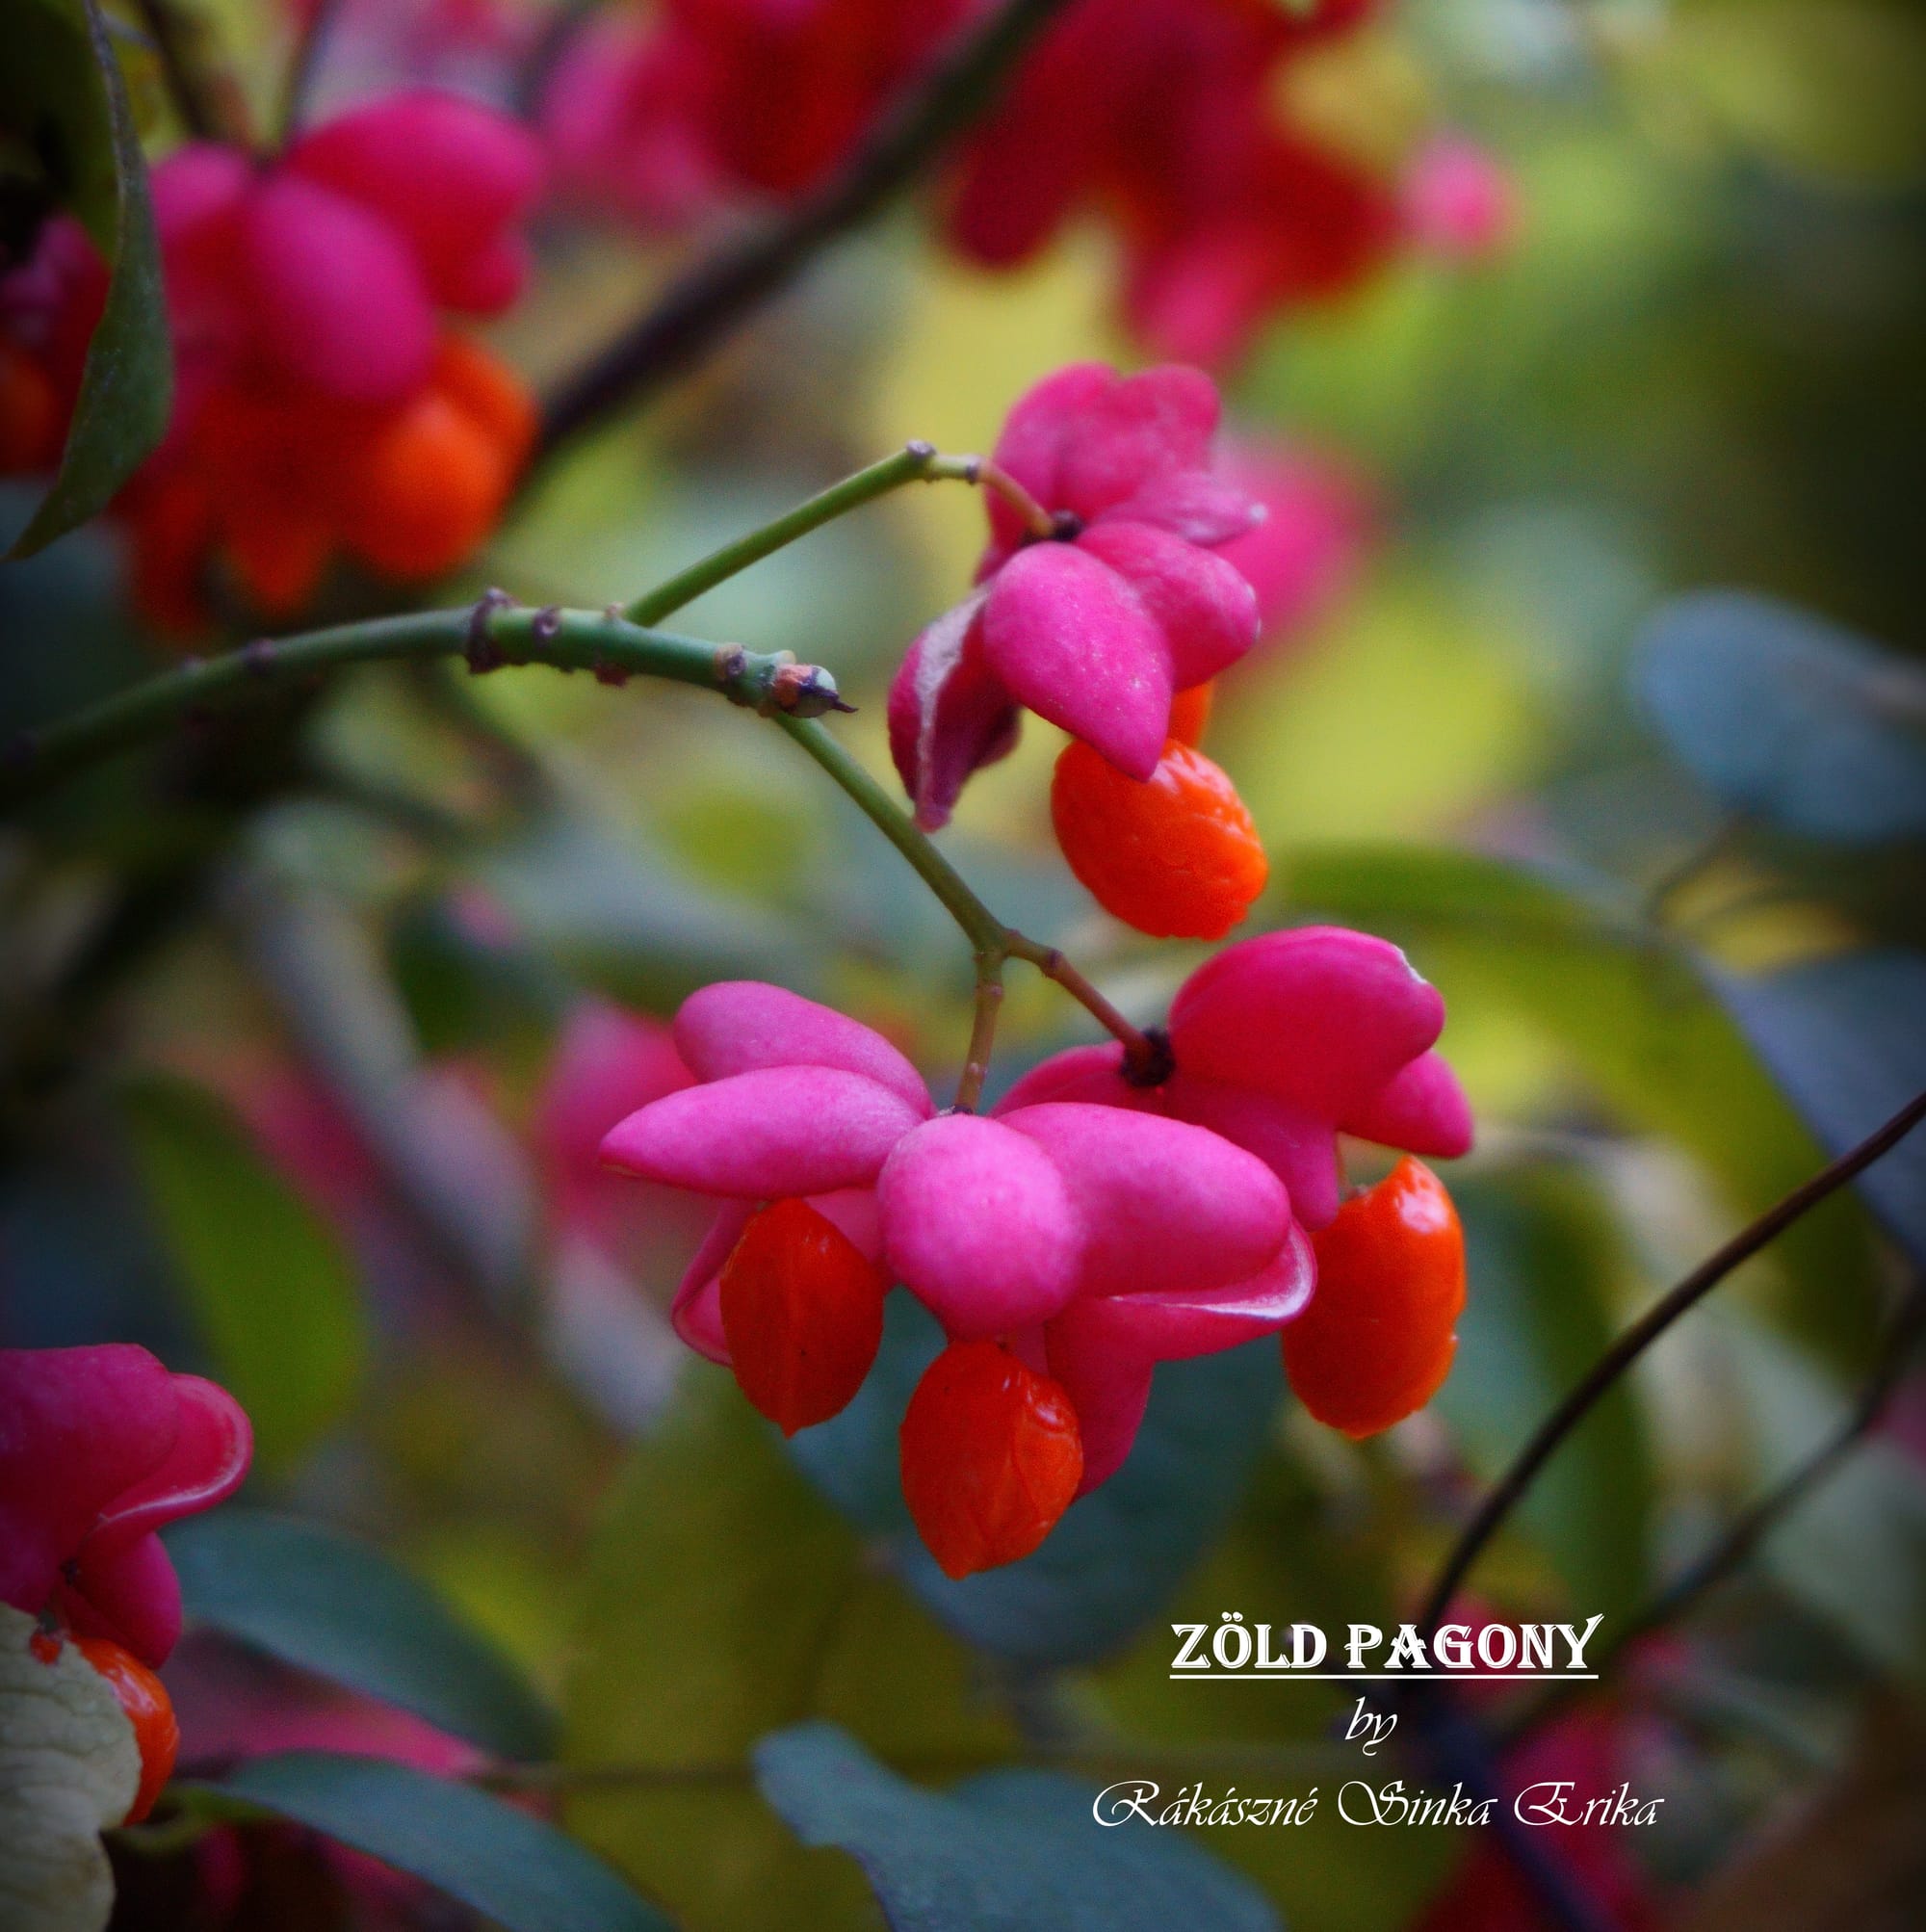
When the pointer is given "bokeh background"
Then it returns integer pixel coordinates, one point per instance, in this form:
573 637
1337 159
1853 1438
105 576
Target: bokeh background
302 1083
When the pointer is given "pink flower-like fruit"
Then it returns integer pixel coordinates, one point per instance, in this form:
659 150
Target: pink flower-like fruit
1116 1239
1280 1044
101 1447
1097 627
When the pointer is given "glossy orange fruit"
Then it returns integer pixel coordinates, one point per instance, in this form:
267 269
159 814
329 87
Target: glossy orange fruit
990 1456
1175 855
1376 1341
278 553
1190 713
802 1312
150 1709
433 483
488 393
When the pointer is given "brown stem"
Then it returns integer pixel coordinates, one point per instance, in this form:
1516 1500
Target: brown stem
701 309
982 1030
1143 1053
1037 520
1518 1480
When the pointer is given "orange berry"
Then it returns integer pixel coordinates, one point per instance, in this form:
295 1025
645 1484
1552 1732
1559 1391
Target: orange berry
1376 1341
433 483
991 1457
1190 713
1176 857
171 533
278 553
30 414
802 1310
488 393
150 1709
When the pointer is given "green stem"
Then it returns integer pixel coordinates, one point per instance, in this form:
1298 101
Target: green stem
991 939
914 462
609 646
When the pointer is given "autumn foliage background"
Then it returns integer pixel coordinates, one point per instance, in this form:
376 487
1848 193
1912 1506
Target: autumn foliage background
1533 321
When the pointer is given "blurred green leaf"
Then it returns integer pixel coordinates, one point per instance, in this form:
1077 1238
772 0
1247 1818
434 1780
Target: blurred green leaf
724 1601
1854 1550
515 1870
56 122
1847 1038
637 929
1834 87
1541 1253
1633 1016
269 1288
310 1596
1114 1561
1786 716
1003 1852
66 92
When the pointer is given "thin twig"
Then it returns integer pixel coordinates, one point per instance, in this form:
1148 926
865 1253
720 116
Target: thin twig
303 65
1146 1056
989 1004
208 105
1518 1480
1750 1529
500 634
705 305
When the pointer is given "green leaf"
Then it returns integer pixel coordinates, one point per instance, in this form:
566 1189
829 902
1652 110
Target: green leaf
1633 1017
1788 718
1540 1254
724 1601
1112 1563
268 1284
127 388
1847 1038
310 1596
515 1870
1003 1852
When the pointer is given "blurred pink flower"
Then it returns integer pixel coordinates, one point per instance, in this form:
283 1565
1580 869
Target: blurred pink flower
622 119
1162 115
101 1447
1097 627
1589 1752
234 1705
328 268
1280 1044
1459 202
658 115
607 1064
1305 554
